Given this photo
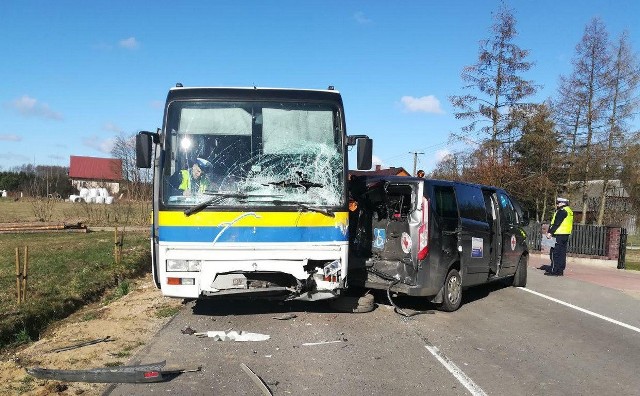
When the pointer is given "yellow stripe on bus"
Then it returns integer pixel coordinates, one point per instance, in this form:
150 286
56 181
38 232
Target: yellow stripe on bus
252 219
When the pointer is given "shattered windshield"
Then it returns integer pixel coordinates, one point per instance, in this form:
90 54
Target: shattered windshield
253 154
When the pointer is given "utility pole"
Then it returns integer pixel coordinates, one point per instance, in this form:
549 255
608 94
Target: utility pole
415 160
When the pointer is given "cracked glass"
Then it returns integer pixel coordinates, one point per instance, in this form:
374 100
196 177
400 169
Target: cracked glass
235 154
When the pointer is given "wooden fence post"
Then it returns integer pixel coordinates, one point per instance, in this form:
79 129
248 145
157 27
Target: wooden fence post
24 273
18 274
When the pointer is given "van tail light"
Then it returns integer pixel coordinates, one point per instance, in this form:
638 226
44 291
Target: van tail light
423 231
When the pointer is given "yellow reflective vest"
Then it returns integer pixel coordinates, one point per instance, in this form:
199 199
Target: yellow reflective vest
186 182
567 224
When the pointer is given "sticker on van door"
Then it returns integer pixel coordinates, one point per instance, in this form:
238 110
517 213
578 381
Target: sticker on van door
477 247
379 237
406 243
513 242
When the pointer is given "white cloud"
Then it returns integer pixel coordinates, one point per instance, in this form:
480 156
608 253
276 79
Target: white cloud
9 137
30 107
102 145
111 127
361 18
442 154
129 43
426 104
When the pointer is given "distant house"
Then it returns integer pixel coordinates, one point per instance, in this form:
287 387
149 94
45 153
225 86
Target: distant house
618 208
378 171
93 172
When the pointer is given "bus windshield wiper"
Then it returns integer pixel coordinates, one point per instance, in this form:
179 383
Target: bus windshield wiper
306 208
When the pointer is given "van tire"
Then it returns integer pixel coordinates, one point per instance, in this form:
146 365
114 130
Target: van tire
520 277
451 292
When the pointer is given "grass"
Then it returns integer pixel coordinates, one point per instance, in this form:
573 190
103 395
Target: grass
632 257
166 311
31 210
66 271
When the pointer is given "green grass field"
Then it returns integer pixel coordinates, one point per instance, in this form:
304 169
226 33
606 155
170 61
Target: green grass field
123 213
66 271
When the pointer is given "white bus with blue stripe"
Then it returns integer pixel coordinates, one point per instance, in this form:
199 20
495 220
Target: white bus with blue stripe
250 192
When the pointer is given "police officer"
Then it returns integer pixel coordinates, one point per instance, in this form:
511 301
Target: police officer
561 226
192 181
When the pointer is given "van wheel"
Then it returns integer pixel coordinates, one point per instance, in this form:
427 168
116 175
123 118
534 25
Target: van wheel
520 277
452 293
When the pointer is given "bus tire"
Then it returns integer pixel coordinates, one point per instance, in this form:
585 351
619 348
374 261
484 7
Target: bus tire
452 291
520 277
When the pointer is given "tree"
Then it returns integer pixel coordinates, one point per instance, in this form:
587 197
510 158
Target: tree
535 150
497 83
585 93
137 181
624 76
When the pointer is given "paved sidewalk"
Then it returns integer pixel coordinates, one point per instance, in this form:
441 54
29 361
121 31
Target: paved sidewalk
599 272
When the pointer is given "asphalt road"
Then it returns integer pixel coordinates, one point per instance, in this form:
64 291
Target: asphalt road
559 336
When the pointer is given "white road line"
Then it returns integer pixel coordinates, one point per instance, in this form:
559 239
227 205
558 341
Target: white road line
455 370
636 329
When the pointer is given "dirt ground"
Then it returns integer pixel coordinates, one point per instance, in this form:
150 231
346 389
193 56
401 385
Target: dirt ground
129 322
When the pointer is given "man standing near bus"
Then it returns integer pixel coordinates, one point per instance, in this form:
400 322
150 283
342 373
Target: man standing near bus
560 228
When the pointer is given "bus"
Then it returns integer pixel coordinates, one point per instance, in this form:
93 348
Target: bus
250 193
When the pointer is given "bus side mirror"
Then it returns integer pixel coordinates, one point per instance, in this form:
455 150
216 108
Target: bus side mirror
525 218
365 153
143 149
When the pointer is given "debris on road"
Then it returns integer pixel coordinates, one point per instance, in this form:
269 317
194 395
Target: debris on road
188 330
82 344
122 374
321 342
286 316
256 380
233 336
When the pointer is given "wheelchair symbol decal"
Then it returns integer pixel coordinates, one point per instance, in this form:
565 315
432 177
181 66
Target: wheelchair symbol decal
379 237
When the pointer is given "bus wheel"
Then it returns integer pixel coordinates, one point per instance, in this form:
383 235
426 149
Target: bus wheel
520 277
452 296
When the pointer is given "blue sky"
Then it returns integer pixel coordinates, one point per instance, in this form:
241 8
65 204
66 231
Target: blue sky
78 73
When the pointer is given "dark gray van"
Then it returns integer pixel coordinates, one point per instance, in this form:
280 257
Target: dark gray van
434 238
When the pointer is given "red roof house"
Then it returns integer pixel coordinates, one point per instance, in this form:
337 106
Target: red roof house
378 171
92 172
98 169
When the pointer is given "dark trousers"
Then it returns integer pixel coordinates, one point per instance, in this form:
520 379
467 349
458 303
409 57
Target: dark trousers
559 255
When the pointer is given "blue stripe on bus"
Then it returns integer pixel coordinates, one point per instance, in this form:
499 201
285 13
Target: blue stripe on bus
251 234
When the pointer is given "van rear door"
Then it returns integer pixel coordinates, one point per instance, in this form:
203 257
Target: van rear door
396 217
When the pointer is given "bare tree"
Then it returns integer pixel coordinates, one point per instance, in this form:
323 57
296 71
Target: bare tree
624 77
137 181
588 85
497 85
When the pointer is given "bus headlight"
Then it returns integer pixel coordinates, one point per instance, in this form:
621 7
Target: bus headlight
183 265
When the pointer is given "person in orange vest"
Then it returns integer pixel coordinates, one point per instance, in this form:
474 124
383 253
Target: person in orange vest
192 181
560 228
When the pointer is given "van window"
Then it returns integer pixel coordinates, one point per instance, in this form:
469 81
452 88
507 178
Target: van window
445 202
471 203
510 214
